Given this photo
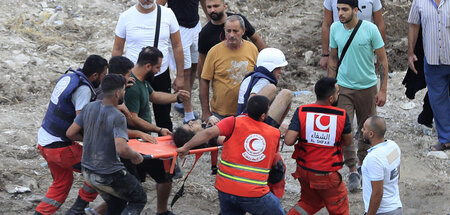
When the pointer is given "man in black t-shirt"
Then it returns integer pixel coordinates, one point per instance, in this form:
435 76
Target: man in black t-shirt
213 32
186 12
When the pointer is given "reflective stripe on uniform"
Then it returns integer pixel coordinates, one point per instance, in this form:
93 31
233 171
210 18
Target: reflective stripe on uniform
242 179
88 189
244 167
51 202
300 210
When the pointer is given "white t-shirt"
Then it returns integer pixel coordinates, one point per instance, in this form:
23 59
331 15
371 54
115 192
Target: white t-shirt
138 30
382 163
80 98
367 8
261 83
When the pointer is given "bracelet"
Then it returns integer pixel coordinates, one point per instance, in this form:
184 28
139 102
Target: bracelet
178 99
325 55
159 132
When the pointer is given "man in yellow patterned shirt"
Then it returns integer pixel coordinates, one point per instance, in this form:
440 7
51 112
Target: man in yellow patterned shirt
225 66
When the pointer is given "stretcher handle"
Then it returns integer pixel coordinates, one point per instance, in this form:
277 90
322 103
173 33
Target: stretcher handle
195 151
172 154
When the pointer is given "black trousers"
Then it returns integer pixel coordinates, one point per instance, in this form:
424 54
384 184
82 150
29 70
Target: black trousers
162 83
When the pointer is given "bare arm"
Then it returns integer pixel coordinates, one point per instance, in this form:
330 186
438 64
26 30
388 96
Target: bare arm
204 98
142 125
201 61
291 137
380 98
332 63
177 47
199 139
346 139
375 198
379 22
74 132
126 152
119 43
413 34
139 134
259 43
327 21
167 98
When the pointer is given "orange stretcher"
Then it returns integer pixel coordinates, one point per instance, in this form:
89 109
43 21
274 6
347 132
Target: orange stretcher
164 149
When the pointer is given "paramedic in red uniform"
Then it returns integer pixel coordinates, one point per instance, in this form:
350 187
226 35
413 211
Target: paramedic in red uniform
72 92
248 153
321 130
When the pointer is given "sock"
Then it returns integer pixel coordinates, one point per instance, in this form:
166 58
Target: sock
189 116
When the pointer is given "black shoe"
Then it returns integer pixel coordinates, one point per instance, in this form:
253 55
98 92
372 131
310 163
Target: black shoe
166 213
78 207
213 170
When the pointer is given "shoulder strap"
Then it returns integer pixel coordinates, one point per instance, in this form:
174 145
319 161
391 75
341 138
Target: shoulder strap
348 43
158 24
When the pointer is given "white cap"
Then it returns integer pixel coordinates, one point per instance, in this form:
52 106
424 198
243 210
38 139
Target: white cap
271 58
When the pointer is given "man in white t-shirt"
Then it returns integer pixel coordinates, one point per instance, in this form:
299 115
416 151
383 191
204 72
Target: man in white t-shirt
263 81
380 170
136 27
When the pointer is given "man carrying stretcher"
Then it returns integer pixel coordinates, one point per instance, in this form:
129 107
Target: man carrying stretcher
247 156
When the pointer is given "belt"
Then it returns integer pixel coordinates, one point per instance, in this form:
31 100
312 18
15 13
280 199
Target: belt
58 144
323 174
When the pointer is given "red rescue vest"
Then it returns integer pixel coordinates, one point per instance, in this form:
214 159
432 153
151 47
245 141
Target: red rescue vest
247 157
318 148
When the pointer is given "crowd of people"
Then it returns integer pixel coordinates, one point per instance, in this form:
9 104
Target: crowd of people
104 104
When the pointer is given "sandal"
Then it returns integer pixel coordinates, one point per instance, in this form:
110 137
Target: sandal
439 147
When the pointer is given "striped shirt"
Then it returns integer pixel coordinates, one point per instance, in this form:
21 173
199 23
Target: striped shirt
435 21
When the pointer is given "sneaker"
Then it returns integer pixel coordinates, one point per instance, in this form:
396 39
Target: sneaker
179 107
427 129
90 211
196 117
354 182
177 173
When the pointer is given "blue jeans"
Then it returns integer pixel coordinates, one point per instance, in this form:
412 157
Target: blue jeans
121 191
235 205
438 78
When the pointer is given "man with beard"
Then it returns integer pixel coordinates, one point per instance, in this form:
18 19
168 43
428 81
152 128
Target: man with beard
356 78
71 93
103 130
321 130
370 10
248 153
135 29
137 100
380 170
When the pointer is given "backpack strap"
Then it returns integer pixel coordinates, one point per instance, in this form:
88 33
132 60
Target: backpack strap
348 44
158 26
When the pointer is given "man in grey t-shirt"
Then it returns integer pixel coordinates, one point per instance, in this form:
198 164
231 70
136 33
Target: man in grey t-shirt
103 130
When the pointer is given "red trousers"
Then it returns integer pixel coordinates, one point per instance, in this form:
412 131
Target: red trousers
60 162
319 190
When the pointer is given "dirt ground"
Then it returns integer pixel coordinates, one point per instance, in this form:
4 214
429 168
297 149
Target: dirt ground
42 39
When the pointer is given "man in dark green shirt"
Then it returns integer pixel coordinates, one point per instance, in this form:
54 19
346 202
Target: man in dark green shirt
137 99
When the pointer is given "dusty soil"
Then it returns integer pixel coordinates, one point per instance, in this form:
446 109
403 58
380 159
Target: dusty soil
41 39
